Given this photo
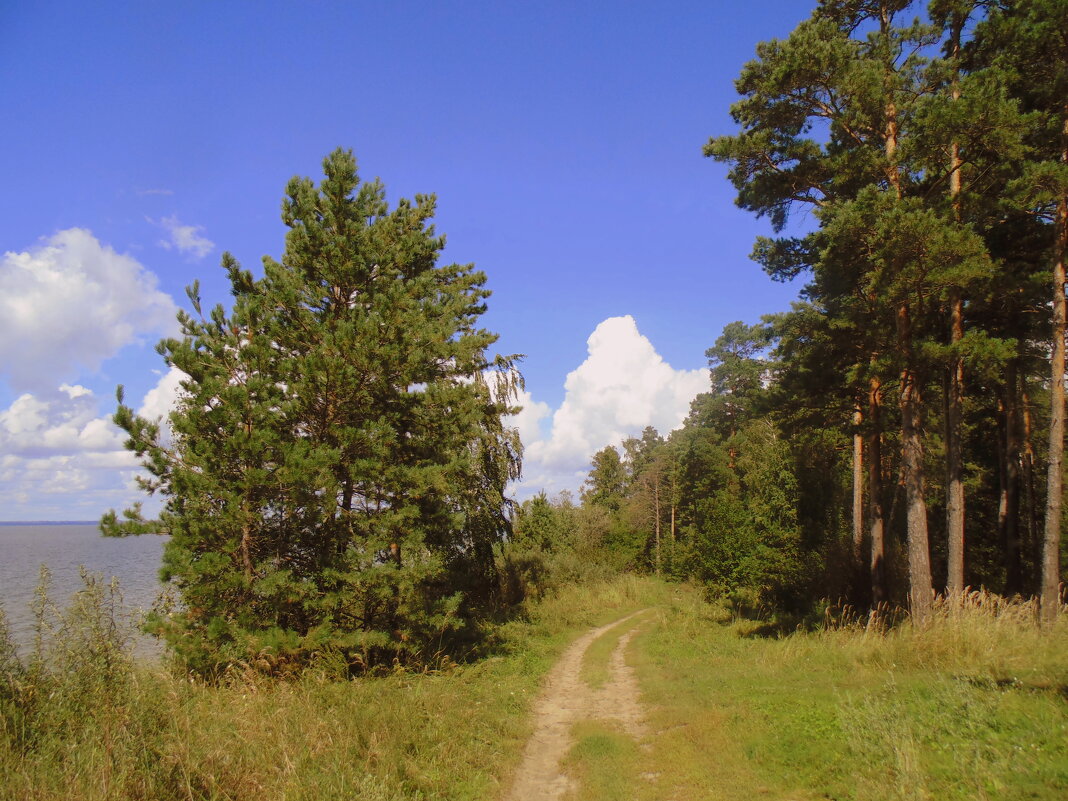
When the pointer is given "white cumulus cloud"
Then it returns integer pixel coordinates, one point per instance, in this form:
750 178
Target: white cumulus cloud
71 303
160 401
64 422
185 238
621 387
61 459
528 420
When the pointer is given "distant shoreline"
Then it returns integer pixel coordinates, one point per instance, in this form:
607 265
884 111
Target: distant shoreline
48 522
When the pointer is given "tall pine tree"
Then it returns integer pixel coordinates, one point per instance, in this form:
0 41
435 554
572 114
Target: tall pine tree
335 478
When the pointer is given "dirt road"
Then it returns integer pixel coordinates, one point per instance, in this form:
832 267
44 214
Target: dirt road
566 699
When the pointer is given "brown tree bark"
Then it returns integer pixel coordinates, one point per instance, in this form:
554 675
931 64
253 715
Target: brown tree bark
1002 458
954 460
674 501
858 491
1051 540
920 588
876 525
911 403
1032 545
656 518
246 546
955 383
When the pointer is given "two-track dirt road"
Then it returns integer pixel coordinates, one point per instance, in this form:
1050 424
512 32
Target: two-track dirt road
566 699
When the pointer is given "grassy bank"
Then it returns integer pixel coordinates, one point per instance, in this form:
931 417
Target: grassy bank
975 707
84 721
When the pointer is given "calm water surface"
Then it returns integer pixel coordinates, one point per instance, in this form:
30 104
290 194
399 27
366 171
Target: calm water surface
134 561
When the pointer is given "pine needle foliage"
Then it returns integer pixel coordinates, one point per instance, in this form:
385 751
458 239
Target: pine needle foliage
334 471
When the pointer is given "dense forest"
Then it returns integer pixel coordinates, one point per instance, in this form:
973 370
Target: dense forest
900 431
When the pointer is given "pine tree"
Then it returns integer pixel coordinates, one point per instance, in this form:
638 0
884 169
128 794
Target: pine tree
837 117
1040 52
648 496
607 480
335 479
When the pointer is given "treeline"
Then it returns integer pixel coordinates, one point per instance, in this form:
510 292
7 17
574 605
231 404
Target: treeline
900 431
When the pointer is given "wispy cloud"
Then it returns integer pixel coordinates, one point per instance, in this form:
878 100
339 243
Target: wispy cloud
184 238
144 192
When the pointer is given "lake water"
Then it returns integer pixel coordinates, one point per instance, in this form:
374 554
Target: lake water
134 561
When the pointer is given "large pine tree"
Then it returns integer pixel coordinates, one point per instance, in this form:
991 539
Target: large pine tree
335 478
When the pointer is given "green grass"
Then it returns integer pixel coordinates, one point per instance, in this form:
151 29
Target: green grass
975 707
129 731
595 663
603 762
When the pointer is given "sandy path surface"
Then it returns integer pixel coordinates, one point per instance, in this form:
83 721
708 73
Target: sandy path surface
566 699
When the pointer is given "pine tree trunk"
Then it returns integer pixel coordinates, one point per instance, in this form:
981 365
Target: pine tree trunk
674 504
893 175
1002 457
346 495
955 385
860 591
912 465
1011 520
1032 547
920 587
246 547
875 494
656 519
858 490
1051 541
954 460
342 529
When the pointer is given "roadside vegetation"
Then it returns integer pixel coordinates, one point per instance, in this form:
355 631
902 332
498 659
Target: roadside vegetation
80 718
973 706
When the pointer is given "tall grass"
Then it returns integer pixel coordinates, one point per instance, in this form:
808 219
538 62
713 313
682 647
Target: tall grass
974 705
976 700
980 636
80 718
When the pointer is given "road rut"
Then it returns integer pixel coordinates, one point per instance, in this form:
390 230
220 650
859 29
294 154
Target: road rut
566 699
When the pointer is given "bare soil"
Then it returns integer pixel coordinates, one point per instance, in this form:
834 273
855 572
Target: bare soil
566 699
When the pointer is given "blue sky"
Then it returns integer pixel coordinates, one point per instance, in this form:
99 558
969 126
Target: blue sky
562 140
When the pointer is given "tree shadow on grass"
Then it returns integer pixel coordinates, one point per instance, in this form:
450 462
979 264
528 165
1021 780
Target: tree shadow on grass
1013 684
